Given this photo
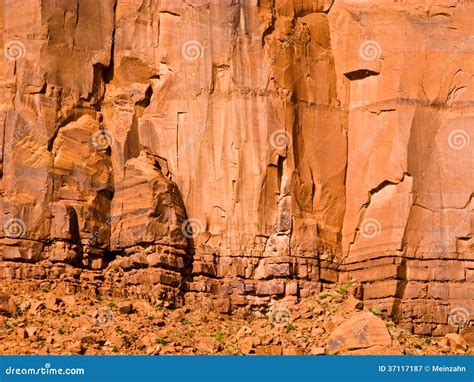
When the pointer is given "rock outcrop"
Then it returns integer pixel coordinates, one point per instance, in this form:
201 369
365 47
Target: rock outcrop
244 151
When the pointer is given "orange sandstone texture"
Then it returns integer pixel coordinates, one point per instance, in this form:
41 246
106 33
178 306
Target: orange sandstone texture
243 152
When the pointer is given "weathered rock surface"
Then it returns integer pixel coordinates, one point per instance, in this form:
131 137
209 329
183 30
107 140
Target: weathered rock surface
362 330
240 151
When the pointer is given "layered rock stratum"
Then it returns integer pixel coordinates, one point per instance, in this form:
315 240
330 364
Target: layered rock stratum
242 152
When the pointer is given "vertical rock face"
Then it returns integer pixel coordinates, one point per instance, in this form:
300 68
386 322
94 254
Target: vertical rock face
247 151
408 216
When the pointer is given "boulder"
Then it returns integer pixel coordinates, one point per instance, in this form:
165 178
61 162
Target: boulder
360 331
269 350
8 306
456 341
207 345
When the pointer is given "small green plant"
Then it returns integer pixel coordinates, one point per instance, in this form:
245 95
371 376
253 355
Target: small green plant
390 324
376 311
161 341
185 322
427 340
290 327
98 298
42 343
342 290
115 349
218 336
75 315
112 304
61 331
326 294
418 346
119 330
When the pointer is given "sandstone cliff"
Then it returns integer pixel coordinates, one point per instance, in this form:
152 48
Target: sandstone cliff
242 150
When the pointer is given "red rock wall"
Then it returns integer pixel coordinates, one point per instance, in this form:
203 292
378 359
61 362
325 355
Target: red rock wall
244 150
